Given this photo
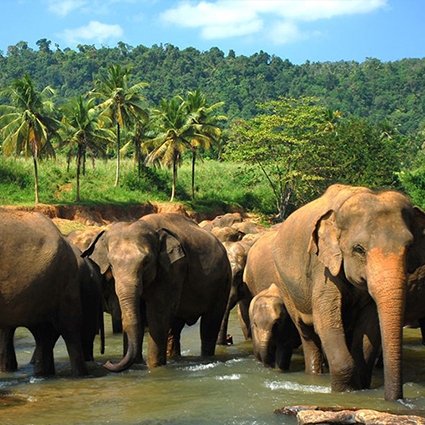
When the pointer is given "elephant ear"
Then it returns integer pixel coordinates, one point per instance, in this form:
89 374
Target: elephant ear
416 255
98 252
324 242
171 249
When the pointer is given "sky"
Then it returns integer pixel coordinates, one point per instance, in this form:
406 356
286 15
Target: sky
297 30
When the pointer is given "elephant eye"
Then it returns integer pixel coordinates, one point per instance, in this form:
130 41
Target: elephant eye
359 250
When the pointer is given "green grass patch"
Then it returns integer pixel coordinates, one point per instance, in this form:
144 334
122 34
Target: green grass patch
218 185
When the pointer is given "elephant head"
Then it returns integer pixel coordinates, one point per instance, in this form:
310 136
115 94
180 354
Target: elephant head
370 241
138 256
274 335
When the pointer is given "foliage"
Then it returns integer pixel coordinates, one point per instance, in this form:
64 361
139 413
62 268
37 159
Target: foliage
288 143
27 124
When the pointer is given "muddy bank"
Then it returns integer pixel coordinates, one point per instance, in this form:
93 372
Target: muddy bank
100 215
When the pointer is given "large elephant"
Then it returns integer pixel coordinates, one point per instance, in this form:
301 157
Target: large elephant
39 287
45 334
343 261
179 271
274 335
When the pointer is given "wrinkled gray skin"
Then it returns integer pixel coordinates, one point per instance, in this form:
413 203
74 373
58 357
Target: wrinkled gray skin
179 271
90 281
35 260
274 335
343 261
237 253
111 305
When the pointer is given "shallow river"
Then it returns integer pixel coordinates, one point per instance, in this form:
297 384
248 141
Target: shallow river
232 388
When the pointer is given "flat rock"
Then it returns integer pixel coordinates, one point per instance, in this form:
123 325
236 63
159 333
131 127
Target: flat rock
313 415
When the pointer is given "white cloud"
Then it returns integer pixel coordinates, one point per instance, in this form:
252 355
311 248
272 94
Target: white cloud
64 7
93 32
278 20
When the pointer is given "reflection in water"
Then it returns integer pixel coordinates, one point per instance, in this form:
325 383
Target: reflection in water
231 388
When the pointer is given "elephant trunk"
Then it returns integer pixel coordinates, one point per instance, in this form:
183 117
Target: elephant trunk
129 302
387 287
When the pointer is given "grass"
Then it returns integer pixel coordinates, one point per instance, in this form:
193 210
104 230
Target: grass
219 185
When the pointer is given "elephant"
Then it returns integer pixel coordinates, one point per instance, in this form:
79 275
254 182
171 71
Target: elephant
179 271
237 253
343 261
259 273
90 286
227 220
39 288
274 335
227 234
111 305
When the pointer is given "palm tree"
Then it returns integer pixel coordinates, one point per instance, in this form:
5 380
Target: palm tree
121 103
27 123
173 136
83 127
204 126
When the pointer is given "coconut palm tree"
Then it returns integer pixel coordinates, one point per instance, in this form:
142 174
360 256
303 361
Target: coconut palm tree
84 128
26 125
121 103
204 126
173 129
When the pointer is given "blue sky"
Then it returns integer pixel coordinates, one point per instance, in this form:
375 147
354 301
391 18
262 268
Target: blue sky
298 30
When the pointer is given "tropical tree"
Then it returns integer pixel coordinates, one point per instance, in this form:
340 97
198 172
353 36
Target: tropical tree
84 129
204 126
174 133
121 103
27 124
288 142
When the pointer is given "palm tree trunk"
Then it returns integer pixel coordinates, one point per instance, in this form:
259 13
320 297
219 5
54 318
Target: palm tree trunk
173 189
34 158
193 173
79 158
117 174
37 198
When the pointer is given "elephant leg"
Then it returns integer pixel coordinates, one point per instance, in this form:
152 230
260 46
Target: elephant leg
313 355
210 327
8 362
45 339
159 322
222 336
173 346
365 347
422 326
243 315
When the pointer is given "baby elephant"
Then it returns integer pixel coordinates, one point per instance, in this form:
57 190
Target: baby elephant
274 335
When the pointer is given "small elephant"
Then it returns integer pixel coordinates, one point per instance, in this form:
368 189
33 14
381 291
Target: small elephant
111 305
274 335
237 253
168 266
259 273
39 287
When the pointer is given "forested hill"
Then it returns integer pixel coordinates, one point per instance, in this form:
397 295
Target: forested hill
380 91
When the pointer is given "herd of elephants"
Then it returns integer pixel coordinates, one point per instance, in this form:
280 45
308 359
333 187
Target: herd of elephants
341 276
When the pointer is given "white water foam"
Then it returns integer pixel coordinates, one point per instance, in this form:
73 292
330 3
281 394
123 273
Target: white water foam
285 385
233 377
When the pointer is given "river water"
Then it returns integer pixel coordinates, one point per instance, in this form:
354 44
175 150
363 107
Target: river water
231 388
